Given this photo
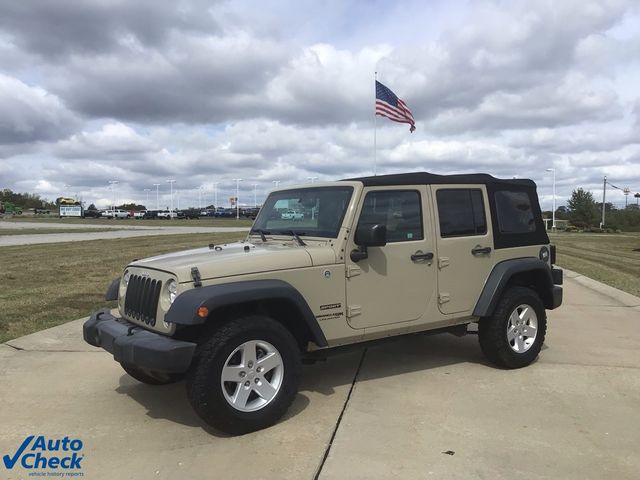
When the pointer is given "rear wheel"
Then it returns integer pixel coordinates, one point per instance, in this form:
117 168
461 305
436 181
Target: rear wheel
513 336
151 377
246 375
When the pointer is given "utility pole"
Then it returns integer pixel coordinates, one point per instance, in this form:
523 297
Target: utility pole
215 195
113 184
237 180
157 196
171 182
553 225
147 204
604 199
626 192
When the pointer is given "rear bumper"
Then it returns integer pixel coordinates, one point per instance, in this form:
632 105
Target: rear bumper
132 345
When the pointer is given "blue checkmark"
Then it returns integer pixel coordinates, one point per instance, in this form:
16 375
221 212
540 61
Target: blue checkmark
10 462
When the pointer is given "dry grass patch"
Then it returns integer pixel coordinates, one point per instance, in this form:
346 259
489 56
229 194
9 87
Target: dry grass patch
50 284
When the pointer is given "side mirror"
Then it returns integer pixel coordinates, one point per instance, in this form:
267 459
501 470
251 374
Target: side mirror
368 235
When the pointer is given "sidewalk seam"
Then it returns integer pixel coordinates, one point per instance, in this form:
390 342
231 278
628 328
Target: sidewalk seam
344 408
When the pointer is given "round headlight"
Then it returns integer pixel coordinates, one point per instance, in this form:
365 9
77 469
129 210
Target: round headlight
544 254
172 288
126 277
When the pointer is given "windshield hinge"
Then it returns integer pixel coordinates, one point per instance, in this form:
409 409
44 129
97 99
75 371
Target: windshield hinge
195 275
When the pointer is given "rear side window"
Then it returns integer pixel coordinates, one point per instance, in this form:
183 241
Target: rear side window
514 212
461 212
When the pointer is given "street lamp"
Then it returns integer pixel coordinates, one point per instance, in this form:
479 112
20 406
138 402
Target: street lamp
157 185
553 213
276 183
113 184
313 179
215 194
171 182
237 180
255 201
147 204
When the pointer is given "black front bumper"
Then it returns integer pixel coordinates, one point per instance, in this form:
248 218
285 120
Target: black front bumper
132 345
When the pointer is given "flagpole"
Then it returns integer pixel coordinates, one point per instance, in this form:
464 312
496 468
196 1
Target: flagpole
375 126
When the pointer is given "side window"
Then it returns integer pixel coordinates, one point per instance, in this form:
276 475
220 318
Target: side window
514 212
461 212
399 210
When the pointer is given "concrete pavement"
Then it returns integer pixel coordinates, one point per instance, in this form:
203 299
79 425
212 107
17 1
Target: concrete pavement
420 407
125 231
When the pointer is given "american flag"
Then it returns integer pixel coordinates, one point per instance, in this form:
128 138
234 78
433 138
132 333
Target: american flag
390 106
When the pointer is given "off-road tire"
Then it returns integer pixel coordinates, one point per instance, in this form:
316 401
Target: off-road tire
150 377
204 387
492 331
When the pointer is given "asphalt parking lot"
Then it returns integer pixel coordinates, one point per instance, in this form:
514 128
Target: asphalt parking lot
419 407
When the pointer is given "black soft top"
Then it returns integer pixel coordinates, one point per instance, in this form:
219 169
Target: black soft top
426 178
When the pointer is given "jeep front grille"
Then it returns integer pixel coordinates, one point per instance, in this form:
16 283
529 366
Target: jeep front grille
141 301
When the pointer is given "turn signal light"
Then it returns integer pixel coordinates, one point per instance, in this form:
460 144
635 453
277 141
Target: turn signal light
203 312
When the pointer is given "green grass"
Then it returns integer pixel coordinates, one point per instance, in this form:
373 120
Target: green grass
38 231
613 259
47 285
202 222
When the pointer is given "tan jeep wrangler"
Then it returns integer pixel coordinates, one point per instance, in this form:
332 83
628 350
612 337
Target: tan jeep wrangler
370 258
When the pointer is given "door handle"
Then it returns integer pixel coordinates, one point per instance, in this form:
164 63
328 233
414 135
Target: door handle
421 256
478 250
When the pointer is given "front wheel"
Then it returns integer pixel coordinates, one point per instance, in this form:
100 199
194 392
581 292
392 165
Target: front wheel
513 336
246 375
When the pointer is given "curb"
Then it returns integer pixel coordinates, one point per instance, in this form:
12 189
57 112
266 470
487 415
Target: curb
627 299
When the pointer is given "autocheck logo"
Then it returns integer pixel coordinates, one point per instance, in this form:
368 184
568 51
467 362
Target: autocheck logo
40 453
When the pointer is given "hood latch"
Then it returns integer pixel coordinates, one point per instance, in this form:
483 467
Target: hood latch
195 275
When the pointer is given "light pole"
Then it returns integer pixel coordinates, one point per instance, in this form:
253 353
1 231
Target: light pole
171 182
553 225
313 179
626 192
113 184
237 180
637 195
147 204
276 183
255 201
215 194
604 199
157 196
200 198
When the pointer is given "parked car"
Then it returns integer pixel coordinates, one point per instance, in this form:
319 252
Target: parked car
190 213
117 213
389 255
150 215
292 215
92 213
166 214
139 215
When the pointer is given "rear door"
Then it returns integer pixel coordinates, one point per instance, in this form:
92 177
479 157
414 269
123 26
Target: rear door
464 245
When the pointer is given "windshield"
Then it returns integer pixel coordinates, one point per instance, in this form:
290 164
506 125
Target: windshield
315 212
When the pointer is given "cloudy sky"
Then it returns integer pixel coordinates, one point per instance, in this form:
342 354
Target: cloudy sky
207 91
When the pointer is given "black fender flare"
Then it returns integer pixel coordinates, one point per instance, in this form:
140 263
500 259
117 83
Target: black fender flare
112 291
499 279
184 309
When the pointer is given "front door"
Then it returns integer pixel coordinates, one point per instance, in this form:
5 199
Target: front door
389 286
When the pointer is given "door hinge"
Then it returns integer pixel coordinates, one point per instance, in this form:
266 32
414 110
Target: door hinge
443 298
353 310
353 271
443 262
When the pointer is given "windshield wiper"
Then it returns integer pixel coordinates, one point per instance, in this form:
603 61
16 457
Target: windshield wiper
260 232
296 235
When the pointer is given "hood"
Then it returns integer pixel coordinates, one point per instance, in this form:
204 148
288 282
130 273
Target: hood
232 259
